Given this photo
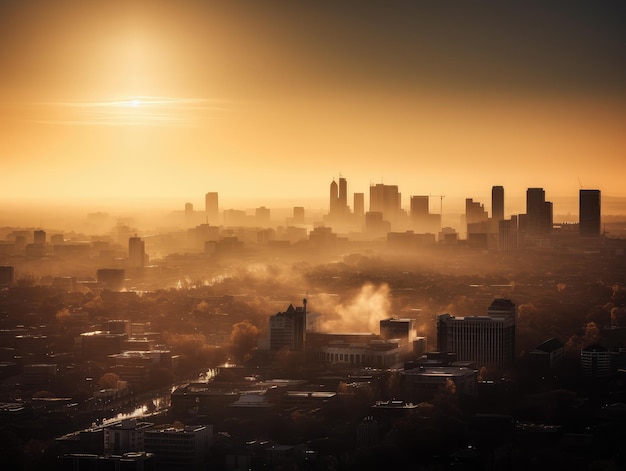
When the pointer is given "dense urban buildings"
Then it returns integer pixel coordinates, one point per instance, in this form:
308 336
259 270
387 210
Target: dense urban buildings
89 327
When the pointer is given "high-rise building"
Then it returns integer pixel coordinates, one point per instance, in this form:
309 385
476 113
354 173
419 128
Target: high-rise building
419 207
538 212
334 198
589 212
507 234
497 203
486 340
288 329
262 216
211 208
474 211
385 199
298 215
39 237
339 198
343 195
136 252
422 221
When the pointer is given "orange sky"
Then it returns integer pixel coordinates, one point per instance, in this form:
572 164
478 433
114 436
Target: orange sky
269 100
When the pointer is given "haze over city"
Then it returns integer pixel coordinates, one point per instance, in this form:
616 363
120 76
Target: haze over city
119 104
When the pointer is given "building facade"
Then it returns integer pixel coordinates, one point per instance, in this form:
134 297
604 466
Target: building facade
288 329
486 340
589 212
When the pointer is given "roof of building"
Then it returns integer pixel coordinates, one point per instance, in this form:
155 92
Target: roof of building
550 345
502 303
594 347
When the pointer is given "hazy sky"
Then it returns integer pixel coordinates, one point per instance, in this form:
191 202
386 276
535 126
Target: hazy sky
267 99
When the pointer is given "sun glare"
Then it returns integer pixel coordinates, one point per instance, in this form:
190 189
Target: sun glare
135 103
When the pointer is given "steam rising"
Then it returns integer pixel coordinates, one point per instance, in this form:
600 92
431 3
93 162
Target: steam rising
361 313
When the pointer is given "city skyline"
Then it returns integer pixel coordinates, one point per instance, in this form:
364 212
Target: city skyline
151 101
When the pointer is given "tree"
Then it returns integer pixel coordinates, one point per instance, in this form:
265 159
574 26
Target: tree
108 381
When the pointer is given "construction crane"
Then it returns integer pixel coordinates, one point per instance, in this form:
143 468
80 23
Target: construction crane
441 197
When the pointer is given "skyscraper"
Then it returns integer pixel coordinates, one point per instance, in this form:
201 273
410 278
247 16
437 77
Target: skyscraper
136 252
343 195
385 199
538 212
211 207
333 198
474 211
339 199
589 212
497 203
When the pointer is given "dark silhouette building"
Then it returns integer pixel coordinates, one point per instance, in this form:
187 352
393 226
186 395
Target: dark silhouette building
486 340
288 329
497 203
589 212
538 212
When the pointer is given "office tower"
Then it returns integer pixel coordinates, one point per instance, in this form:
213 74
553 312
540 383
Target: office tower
538 212
188 210
507 234
136 252
535 198
211 208
589 212
419 206
334 198
262 216
288 329
298 215
343 195
497 203
339 198
39 237
474 211
419 213
385 199
486 340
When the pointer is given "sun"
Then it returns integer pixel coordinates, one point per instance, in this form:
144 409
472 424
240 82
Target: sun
134 102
